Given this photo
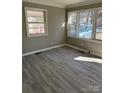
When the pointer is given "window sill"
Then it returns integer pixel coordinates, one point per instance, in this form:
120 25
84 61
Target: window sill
89 40
36 35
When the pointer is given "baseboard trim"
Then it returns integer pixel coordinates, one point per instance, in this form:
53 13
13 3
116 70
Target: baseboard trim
85 50
41 50
80 49
61 45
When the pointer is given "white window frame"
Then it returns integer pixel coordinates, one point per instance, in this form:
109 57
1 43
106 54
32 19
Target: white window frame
94 23
45 22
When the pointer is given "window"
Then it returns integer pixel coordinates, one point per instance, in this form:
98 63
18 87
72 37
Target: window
36 21
85 24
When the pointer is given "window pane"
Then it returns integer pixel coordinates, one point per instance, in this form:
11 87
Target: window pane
72 23
35 16
86 24
36 28
35 19
99 25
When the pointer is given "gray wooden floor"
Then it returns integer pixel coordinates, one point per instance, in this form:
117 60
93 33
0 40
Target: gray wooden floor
55 71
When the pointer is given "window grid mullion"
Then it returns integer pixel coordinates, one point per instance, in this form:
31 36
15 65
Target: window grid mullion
78 24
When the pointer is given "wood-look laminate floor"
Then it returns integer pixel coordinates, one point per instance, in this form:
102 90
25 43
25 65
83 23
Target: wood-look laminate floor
56 71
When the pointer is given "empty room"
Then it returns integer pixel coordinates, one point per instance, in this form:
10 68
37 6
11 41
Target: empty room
61 46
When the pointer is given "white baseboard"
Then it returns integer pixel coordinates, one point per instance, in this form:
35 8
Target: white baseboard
80 49
41 50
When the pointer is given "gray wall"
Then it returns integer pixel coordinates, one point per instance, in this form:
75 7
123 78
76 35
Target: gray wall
94 47
56 33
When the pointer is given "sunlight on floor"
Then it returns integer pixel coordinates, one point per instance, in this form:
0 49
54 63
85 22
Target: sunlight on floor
89 59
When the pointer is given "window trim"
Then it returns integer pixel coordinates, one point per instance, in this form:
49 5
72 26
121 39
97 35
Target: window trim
94 24
45 23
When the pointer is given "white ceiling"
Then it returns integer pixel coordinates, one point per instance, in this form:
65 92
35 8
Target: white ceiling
64 3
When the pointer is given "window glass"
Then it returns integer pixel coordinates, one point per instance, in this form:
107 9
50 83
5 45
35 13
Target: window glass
35 19
35 16
72 21
86 24
36 28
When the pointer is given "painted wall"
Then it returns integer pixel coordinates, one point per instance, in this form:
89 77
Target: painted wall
92 45
56 31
